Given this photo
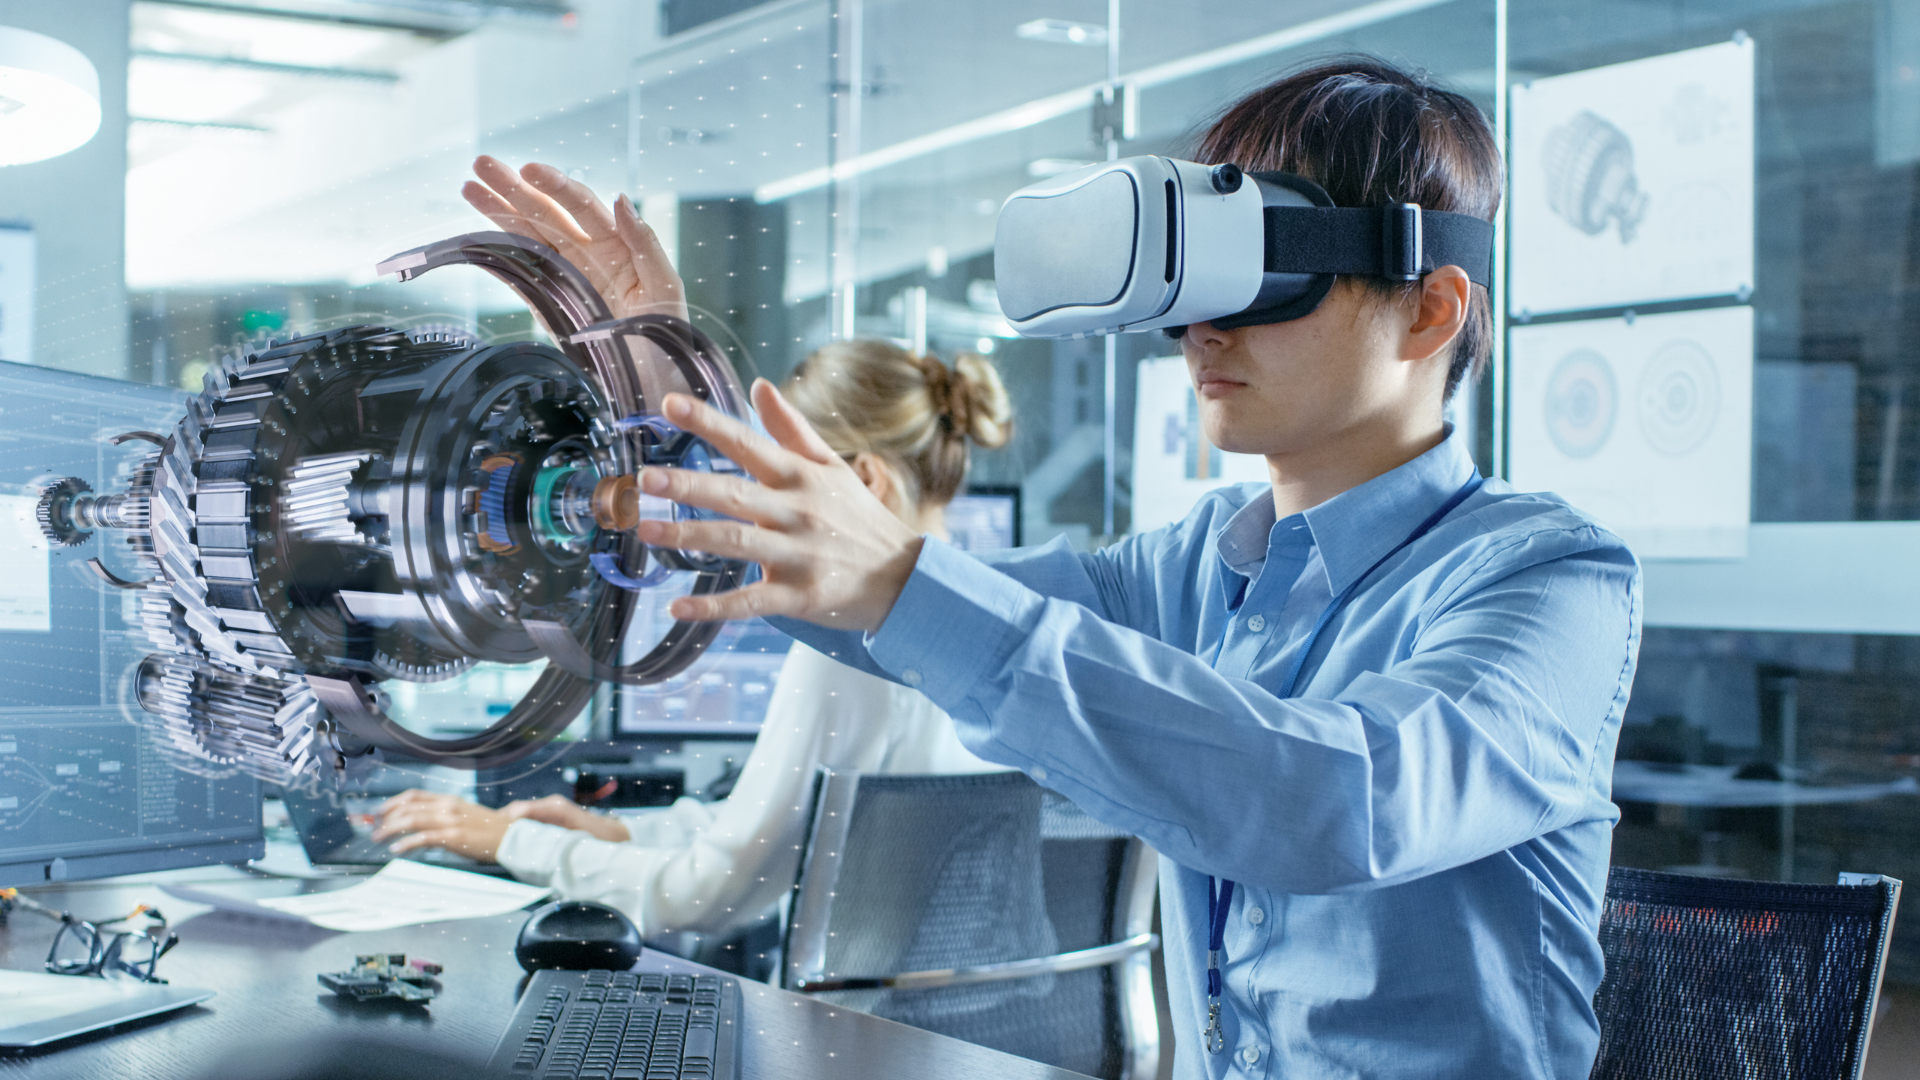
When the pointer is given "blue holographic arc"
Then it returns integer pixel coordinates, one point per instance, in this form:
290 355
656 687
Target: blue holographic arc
607 565
662 429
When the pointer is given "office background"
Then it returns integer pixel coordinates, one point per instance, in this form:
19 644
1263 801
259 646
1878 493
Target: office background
833 167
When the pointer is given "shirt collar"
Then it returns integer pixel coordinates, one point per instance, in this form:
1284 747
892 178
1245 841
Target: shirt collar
1355 528
1243 543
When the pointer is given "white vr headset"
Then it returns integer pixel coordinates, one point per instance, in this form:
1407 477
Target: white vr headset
1154 243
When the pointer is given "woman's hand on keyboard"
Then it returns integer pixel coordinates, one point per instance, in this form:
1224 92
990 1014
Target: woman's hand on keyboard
422 819
564 812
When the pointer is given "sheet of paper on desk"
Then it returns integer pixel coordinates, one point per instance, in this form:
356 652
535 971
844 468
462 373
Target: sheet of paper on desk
405 893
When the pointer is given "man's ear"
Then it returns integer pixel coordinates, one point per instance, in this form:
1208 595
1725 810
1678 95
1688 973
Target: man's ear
1441 313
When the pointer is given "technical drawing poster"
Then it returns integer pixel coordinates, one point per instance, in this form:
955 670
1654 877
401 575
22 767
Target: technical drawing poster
1647 425
1173 464
1633 183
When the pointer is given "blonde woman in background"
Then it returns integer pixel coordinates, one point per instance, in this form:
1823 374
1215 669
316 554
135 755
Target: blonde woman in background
906 423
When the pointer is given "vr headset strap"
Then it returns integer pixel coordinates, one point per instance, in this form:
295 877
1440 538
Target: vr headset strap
1398 242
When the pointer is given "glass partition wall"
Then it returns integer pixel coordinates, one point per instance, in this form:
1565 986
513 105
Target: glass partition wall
832 168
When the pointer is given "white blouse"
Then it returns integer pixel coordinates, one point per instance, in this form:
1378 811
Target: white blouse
707 867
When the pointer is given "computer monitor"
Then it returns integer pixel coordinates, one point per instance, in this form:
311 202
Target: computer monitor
88 787
724 694
985 519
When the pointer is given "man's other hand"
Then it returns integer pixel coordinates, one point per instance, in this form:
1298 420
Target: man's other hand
617 251
829 552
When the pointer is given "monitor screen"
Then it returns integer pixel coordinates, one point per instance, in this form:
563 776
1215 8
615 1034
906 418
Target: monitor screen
723 695
88 785
985 519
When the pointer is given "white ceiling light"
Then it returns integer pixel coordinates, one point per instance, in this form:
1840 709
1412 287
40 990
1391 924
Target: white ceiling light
49 97
1062 32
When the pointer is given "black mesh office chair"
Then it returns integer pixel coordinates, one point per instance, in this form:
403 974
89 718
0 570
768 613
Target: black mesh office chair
1710 979
982 907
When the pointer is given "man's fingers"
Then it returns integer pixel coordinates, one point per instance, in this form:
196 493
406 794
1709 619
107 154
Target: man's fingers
576 198
759 599
508 217
729 495
651 263
726 539
768 461
498 210
787 426
535 205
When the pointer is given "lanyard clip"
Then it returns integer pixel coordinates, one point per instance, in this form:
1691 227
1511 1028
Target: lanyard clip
1214 1038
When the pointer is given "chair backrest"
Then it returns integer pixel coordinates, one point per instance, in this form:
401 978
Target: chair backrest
1709 978
929 876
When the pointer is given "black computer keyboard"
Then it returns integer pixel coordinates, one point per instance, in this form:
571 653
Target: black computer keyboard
606 1025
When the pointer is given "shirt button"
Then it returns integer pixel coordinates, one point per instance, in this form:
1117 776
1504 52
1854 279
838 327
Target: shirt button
1257 623
911 677
1256 916
1039 774
1250 1055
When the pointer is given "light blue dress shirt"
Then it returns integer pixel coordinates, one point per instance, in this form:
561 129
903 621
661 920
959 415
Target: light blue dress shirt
1421 836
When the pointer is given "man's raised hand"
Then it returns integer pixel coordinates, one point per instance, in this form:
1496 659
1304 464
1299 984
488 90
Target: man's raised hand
615 249
829 552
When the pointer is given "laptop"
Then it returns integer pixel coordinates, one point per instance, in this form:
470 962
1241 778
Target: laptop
38 1008
330 839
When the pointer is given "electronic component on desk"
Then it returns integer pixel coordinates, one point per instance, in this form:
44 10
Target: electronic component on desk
624 1026
385 975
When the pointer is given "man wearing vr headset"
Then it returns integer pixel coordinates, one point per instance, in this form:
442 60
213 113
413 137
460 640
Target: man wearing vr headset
1367 712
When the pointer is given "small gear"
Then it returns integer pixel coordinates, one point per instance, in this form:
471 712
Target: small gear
55 512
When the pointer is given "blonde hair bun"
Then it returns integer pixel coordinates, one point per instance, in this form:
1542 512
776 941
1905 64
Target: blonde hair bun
985 412
871 396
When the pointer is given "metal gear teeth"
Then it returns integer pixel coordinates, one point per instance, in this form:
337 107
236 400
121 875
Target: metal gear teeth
393 667
57 535
265 725
315 504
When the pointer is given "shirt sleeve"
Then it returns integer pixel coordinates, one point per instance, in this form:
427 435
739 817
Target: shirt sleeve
707 867
1484 736
1053 569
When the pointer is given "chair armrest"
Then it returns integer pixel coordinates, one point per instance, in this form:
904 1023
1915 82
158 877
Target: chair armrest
1098 956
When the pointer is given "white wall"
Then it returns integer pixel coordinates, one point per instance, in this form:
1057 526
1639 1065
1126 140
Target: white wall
75 203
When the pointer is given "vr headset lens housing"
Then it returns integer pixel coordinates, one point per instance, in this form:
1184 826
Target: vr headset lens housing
1151 242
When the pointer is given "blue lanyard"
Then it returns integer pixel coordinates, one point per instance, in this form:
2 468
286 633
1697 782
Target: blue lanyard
1220 892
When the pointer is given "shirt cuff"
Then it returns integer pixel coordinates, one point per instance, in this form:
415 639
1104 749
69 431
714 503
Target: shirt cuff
531 850
956 620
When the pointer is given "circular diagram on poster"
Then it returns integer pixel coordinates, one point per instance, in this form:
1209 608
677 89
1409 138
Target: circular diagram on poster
1679 398
1582 401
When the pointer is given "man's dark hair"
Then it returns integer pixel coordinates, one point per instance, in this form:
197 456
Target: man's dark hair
1371 134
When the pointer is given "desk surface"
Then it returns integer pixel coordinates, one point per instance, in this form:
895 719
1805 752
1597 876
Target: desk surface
265 975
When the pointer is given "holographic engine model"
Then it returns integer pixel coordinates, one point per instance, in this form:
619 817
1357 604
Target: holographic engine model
370 504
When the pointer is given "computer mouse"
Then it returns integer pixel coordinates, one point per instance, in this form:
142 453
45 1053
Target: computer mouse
577 935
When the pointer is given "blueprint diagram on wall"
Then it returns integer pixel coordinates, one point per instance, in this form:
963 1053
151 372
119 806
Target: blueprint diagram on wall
1645 424
1633 183
1173 464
